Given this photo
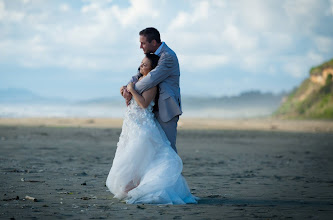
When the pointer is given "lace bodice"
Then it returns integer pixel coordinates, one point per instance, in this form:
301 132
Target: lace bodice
138 119
135 112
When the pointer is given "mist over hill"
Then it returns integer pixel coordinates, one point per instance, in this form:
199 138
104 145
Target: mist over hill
245 105
24 103
20 95
249 98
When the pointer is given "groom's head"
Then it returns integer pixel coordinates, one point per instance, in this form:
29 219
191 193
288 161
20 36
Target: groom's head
150 40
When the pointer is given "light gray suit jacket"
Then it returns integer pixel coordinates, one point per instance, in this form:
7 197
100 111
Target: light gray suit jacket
166 76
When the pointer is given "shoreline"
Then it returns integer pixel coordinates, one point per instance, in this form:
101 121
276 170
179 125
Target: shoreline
263 124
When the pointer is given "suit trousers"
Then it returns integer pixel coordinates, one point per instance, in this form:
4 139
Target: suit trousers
170 129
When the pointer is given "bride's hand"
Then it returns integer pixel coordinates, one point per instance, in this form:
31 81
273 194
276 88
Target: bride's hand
122 90
127 95
130 87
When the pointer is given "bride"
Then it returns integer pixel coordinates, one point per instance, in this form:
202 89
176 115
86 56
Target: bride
145 168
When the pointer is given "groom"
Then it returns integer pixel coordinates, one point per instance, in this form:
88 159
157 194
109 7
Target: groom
166 76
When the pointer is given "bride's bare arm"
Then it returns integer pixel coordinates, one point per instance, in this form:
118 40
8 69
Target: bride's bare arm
146 97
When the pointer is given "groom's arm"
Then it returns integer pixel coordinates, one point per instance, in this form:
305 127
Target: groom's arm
157 75
135 78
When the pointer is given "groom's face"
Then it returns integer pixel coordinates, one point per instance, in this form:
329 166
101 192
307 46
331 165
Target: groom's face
146 46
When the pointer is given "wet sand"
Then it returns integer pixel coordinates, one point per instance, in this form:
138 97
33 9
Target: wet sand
241 173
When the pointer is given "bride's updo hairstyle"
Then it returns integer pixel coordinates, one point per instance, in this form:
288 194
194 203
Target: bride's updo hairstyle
153 58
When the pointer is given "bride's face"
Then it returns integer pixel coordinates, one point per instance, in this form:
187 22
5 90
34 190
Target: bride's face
145 66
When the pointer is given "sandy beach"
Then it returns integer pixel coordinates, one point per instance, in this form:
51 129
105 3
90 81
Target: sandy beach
241 169
262 124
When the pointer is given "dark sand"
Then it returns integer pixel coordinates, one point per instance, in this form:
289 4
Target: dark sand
240 174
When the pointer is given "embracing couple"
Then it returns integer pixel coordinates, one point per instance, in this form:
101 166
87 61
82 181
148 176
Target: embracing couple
146 167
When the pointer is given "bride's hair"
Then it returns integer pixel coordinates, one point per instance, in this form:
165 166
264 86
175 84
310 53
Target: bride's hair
153 59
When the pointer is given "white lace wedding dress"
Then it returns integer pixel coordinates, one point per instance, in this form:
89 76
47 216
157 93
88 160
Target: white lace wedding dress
145 168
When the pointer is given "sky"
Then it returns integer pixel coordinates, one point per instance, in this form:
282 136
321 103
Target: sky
90 48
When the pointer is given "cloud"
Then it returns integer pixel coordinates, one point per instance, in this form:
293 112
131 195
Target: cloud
237 39
324 44
184 19
138 10
10 16
213 29
197 63
295 65
64 7
257 38
253 33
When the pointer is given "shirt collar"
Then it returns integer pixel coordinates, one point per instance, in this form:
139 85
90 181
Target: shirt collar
158 51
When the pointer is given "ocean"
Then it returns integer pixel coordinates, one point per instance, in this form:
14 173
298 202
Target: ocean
26 110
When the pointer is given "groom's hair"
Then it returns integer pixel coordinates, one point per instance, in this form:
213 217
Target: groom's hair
151 34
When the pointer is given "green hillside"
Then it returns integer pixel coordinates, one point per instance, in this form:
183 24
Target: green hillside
319 69
313 99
